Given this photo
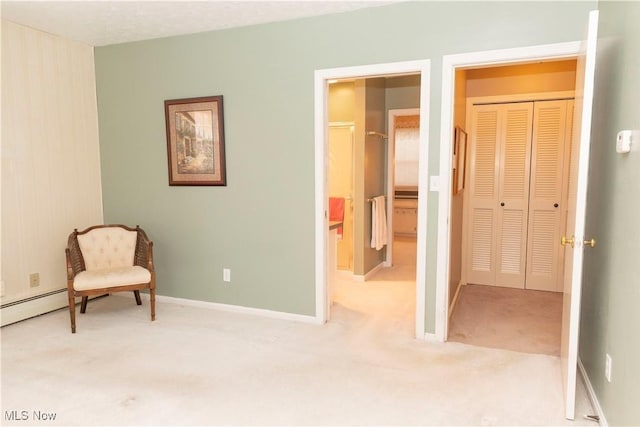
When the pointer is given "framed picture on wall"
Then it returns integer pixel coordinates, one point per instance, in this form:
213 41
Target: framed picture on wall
195 141
460 161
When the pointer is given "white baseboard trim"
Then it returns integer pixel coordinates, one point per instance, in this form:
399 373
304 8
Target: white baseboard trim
232 308
455 299
429 337
34 306
374 270
592 394
362 277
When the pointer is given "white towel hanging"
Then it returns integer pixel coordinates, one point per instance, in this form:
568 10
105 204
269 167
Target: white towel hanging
378 223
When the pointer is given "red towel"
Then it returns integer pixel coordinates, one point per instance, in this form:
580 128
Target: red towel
336 211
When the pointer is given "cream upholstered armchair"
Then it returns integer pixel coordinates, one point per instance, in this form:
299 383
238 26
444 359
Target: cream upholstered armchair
109 258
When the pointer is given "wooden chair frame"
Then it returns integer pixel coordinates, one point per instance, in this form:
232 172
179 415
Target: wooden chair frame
75 264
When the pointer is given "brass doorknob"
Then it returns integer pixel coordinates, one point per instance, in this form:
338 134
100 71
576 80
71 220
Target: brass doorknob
565 242
591 243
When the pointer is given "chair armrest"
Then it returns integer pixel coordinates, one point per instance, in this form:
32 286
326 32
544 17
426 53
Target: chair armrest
144 250
75 261
70 273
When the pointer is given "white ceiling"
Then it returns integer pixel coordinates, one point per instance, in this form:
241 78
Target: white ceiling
100 23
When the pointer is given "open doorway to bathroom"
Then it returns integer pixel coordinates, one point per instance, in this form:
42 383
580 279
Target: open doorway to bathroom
383 291
373 156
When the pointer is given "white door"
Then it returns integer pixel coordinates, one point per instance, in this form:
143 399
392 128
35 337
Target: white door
574 243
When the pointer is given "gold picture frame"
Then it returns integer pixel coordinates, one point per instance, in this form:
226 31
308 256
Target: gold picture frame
459 160
195 141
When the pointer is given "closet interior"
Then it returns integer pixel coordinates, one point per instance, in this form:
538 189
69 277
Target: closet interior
511 210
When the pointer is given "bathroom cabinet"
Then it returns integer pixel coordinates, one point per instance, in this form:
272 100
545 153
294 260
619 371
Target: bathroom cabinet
405 217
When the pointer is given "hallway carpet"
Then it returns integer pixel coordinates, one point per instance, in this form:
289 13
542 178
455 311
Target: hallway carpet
389 296
512 319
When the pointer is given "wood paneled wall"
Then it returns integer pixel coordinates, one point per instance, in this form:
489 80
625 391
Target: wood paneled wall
50 156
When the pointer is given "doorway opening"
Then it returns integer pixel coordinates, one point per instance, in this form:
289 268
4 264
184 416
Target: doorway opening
373 159
511 156
365 271
450 238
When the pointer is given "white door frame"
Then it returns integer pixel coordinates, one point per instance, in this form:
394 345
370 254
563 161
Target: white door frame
391 167
321 92
449 65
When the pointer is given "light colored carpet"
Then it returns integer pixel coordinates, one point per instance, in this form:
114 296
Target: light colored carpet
195 366
513 319
388 297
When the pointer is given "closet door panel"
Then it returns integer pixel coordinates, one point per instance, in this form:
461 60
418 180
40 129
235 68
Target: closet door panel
482 241
510 243
483 192
512 210
514 156
543 224
545 203
484 156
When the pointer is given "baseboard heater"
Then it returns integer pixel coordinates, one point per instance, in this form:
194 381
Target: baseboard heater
36 305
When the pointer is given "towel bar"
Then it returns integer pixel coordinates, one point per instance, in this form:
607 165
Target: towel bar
371 200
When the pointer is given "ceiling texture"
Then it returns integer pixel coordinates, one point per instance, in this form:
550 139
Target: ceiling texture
101 23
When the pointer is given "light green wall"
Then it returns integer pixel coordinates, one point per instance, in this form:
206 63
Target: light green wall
375 165
262 224
403 92
611 282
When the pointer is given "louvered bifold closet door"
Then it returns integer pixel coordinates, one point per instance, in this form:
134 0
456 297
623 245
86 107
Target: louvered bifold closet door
513 194
546 202
483 194
500 153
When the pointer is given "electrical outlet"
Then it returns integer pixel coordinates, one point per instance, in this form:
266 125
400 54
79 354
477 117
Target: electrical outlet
34 280
607 367
226 274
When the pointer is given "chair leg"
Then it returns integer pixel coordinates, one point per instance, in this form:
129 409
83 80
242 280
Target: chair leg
72 311
152 300
83 305
138 300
